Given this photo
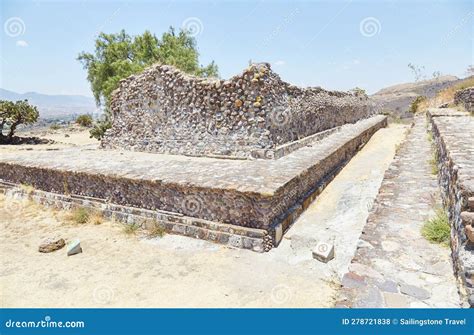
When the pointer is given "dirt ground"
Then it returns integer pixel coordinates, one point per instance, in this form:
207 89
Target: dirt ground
117 269
121 270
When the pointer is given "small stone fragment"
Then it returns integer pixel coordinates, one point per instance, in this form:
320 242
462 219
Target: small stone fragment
51 244
470 233
470 203
467 218
238 103
74 247
414 291
323 252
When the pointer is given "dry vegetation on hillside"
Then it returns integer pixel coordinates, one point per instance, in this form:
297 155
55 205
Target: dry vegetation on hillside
445 96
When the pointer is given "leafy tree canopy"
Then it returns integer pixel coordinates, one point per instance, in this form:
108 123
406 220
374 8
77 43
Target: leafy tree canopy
120 55
12 114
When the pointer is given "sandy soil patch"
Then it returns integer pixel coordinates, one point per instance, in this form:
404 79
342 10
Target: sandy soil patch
120 270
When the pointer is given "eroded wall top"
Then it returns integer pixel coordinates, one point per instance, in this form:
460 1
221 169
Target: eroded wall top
164 110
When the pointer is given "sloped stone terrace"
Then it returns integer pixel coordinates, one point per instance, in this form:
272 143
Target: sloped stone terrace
251 193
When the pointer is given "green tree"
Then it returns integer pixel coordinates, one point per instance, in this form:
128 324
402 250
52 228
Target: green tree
120 55
12 114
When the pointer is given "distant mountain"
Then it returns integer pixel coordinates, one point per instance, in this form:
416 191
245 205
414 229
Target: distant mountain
54 106
396 99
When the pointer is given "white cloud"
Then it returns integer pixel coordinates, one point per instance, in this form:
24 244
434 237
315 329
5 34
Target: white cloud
280 63
21 43
356 61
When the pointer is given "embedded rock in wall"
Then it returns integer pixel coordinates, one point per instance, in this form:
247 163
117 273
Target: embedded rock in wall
164 110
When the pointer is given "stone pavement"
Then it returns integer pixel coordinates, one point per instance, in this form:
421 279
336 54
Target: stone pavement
394 266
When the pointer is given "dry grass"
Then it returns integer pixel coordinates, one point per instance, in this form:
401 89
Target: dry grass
27 188
82 215
156 231
96 218
79 215
446 96
130 229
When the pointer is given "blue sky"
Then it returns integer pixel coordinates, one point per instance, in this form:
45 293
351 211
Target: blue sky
333 44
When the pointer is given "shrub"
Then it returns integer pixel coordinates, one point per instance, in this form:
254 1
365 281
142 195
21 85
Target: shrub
437 229
99 129
84 120
55 126
415 105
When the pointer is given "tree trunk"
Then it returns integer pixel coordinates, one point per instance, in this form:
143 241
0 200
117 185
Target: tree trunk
12 131
2 137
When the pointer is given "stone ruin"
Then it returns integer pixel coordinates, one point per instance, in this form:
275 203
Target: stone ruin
252 115
273 148
465 98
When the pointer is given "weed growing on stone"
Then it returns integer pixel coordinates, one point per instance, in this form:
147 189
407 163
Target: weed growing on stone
27 188
430 136
434 163
80 216
437 229
156 231
130 229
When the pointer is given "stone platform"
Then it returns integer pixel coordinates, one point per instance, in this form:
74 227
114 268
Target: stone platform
244 203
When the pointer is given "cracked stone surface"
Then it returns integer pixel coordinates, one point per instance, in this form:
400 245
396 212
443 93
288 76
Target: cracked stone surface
394 266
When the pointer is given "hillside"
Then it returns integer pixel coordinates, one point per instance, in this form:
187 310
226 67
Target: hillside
396 99
54 106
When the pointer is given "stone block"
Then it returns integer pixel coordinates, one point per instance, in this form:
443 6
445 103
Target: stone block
470 233
395 300
74 247
470 203
467 218
278 234
324 252
414 291
51 244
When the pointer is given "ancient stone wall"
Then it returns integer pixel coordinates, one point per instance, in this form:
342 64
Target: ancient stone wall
163 110
465 98
456 176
